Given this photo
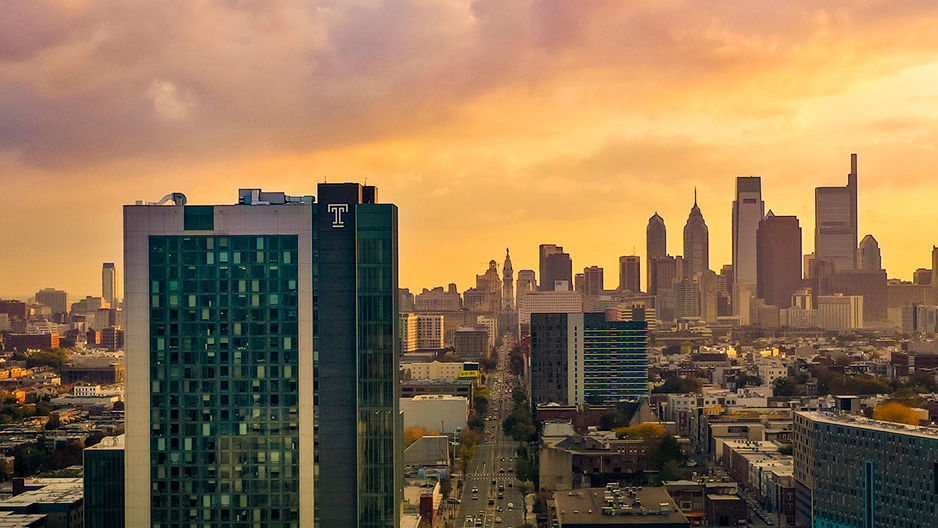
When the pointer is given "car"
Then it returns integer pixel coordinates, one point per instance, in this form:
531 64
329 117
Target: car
509 484
501 487
510 506
501 496
498 509
498 520
491 501
501 470
478 522
493 482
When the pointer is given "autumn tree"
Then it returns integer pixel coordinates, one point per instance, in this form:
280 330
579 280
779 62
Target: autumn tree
895 412
412 434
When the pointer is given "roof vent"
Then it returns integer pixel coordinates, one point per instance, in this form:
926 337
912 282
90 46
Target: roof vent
177 197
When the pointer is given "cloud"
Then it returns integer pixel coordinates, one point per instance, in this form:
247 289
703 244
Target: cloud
168 103
300 76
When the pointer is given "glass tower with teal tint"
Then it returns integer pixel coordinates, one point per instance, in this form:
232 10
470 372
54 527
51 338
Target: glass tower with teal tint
615 359
104 483
224 375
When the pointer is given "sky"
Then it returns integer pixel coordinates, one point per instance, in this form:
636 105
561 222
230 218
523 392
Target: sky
490 123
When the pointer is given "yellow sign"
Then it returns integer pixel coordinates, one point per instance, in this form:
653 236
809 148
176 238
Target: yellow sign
469 374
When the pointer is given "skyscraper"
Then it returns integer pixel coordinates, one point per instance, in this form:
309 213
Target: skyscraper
656 245
593 280
778 243
696 242
835 215
527 283
555 265
109 283
630 274
748 210
508 284
55 299
868 255
262 340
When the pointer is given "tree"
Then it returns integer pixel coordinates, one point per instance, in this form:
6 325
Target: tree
480 404
518 395
645 430
119 405
54 422
55 358
895 412
670 470
785 386
412 434
679 385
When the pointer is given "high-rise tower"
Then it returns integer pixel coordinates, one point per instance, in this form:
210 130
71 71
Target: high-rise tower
508 286
109 283
656 245
868 255
555 266
835 231
696 242
262 340
779 259
748 210
630 277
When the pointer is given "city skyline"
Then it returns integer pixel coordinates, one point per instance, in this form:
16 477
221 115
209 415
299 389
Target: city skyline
541 144
463 271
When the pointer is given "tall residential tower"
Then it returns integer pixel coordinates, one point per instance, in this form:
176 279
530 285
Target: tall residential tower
262 340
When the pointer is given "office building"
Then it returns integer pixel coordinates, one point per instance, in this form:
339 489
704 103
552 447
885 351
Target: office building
666 272
436 412
656 245
230 405
471 343
109 283
579 358
644 506
438 300
57 300
871 285
104 483
778 243
421 332
630 274
555 265
808 266
562 300
526 284
856 472
592 281
748 211
868 255
508 284
634 311
696 242
835 220
839 312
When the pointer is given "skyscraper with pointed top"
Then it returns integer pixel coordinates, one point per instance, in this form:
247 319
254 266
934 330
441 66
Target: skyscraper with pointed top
508 291
656 245
868 255
696 242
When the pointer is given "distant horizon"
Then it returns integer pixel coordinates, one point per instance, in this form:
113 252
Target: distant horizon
490 124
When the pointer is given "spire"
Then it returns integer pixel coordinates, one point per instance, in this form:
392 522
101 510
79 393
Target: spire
695 196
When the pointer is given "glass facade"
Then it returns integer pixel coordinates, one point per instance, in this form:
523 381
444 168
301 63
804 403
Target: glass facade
224 373
378 445
104 487
615 360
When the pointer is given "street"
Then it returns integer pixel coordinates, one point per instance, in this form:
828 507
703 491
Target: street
483 503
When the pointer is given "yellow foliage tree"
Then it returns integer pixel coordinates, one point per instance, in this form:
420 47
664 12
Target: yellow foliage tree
895 412
645 430
412 434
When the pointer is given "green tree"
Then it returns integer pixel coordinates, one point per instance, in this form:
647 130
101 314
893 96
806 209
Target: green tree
785 386
679 385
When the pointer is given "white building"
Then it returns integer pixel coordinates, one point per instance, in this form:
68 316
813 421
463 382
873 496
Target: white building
839 312
769 372
489 324
558 301
421 332
434 370
436 412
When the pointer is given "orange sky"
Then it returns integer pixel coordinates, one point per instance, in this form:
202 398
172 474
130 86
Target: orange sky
491 123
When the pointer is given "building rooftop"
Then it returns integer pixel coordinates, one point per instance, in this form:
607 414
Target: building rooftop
63 491
871 425
109 442
615 506
21 520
